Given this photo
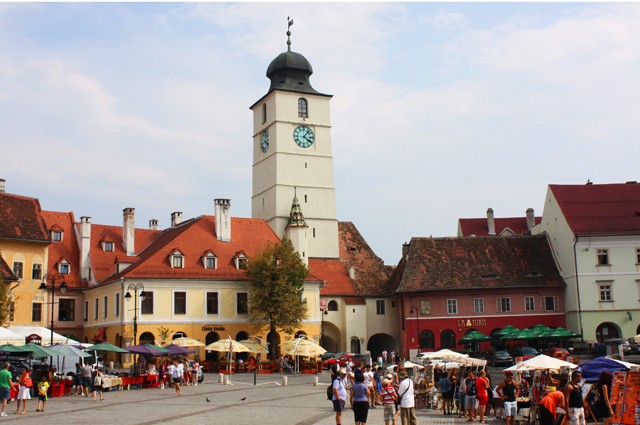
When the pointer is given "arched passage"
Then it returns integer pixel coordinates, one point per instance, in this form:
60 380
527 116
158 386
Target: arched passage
211 356
448 339
147 338
273 338
607 330
331 338
381 342
242 335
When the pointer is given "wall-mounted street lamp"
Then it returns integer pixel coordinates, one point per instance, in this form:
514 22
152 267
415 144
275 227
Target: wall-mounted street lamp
51 279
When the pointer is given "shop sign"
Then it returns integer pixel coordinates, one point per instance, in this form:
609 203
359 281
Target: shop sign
468 323
207 328
34 338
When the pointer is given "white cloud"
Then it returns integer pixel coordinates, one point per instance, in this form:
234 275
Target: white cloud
447 20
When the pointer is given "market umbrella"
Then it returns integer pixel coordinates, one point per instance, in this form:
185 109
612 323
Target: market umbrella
38 351
69 351
105 346
254 346
563 333
227 345
542 362
8 348
526 334
474 336
177 350
302 347
187 342
507 330
148 349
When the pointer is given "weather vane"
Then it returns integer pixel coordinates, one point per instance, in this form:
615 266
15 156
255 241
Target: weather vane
289 23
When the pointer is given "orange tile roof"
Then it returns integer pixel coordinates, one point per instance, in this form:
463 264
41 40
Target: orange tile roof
66 248
21 219
479 226
6 272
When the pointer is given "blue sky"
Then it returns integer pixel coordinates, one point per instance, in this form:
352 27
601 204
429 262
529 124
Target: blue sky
440 110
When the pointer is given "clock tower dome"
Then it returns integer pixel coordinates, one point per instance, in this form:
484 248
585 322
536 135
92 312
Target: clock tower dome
292 154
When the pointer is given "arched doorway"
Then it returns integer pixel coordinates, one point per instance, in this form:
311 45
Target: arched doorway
179 334
448 339
355 345
273 338
240 336
147 338
607 330
300 333
427 339
381 342
211 356
331 338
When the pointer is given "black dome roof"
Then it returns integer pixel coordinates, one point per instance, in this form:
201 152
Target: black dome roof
290 71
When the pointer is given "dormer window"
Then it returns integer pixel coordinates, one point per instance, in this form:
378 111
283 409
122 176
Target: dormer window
303 108
64 267
210 261
56 235
177 260
241 261
108 246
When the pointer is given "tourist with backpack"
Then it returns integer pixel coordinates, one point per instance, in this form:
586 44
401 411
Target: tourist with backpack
444 385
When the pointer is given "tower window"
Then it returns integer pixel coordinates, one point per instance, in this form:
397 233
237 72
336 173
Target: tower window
303 110
305 199
264 113
314 232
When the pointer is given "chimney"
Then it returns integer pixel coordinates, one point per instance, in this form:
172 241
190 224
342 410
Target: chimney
2 185
531 219
153 224
223 219
491 224
128 230
85 248
405 250
176 218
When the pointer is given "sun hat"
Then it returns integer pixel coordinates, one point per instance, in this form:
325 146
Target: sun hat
343 371
389 376
386 381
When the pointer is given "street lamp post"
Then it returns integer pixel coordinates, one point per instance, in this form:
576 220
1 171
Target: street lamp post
323 312
135 288
52 278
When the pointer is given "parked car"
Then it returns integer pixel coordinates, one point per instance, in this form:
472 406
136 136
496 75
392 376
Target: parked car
336 360
328 355
632 348
501 357
525 352
558 353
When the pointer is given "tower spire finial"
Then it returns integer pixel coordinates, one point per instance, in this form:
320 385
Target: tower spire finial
289 23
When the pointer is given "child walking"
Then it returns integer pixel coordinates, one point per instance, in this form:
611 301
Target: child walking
43 387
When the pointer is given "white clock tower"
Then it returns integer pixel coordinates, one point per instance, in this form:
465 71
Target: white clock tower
292 154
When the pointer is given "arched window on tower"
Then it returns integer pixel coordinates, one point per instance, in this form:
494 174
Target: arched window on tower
303 109
332 306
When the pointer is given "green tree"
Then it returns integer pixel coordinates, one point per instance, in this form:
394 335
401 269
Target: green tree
277 277
5 302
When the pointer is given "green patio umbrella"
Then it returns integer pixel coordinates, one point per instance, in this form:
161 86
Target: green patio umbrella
527 334
474 336
105 346
540 328
508 330
563 333
38 351
13 348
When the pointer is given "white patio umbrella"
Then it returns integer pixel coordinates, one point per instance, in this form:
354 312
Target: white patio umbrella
188 342
302 347
542 362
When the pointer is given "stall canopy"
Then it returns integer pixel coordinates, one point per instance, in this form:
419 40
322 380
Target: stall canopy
542 362
592 369
9 337
44 333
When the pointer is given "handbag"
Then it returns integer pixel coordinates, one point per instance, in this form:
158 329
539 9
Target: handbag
97 380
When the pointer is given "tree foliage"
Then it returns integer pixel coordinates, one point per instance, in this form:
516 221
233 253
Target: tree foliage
277 277
5 302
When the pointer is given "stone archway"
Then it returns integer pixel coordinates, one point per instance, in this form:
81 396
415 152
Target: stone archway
607 330
382 342
211 356
331 338
273 338
240 336
147 338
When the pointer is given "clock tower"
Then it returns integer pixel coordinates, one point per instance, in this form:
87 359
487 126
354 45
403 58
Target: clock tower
292 154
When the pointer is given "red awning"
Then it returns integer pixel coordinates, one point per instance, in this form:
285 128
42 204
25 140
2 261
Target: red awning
102 335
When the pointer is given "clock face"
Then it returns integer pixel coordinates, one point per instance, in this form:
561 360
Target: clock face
303 136
264 142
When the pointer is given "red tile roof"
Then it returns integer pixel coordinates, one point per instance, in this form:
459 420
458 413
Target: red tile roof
479 227
6 272
600 209
21 219
476 262
336 275
66 248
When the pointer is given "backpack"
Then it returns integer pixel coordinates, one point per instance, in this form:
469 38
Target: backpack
330 392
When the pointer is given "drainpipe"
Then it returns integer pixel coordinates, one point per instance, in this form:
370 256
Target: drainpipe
575 263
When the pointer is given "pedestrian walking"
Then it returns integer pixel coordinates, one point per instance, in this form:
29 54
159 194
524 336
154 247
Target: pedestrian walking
407 399
339 395
359 399
24 392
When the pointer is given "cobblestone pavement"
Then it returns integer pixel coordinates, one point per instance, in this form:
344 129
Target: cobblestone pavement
300 402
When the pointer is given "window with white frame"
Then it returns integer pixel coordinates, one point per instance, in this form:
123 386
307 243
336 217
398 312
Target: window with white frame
602 256
606 291
56 235
303 108
36 272
210 261
242 303
452 306
66 310
146 305
478 305
550 303
529 304
18 267
380 307
242 262
36 312
503 305
108 246
177 260
425 307
180 302
64 267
